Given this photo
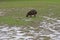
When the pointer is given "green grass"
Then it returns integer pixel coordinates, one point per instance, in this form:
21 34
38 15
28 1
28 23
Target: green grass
42 7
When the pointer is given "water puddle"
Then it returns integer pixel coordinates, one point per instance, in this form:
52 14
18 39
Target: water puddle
53 25
49 29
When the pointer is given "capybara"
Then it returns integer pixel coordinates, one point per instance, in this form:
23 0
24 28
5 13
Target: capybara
32 12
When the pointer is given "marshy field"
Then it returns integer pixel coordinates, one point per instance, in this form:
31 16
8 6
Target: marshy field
14 25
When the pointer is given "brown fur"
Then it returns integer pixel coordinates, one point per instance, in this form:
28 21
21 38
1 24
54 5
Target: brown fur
32 12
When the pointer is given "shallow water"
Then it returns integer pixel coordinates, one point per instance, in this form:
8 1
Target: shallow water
49 29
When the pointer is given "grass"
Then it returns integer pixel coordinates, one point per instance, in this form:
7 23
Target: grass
16 11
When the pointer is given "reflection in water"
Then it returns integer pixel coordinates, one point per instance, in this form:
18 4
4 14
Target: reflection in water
48 30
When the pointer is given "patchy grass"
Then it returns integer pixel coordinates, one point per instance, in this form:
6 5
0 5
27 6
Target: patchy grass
15 11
